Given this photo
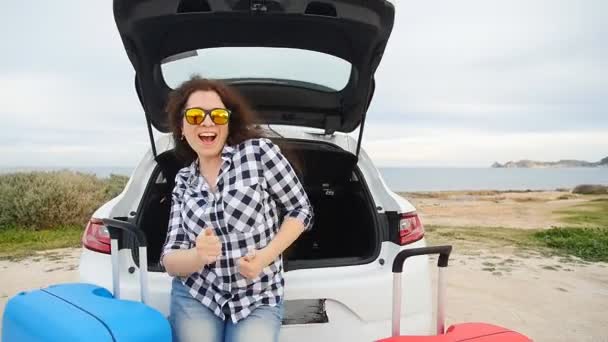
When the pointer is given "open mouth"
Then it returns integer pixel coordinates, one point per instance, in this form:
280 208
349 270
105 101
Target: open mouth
207 138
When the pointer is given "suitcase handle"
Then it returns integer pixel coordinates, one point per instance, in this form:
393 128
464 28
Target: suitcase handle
114 227
443 251
442 263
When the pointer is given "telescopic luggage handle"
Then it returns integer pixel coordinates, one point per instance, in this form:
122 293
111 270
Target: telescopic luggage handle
442 262
114 227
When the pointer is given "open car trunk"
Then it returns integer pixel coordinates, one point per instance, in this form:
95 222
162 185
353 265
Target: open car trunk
344 231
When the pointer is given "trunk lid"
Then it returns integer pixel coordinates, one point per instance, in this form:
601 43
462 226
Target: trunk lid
304 63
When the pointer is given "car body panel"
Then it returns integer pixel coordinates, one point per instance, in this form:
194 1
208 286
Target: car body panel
352 300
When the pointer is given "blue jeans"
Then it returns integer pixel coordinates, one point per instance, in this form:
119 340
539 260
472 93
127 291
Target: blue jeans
192 321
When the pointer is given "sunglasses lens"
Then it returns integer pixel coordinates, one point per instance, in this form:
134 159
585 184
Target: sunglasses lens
220 116
194 116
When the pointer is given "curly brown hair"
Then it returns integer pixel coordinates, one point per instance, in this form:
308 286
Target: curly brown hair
241 118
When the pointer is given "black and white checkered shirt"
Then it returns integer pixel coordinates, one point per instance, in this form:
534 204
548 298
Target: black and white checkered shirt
256 185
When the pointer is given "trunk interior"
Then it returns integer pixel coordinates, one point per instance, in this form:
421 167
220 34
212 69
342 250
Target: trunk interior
345 229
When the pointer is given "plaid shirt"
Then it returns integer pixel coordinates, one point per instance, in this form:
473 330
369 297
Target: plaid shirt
254 182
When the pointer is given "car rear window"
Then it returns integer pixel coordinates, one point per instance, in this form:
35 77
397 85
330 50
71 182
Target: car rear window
306 68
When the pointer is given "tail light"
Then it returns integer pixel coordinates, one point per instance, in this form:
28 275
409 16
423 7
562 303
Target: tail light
410 228
96 237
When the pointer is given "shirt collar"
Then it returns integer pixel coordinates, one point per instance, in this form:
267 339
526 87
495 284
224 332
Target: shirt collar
227 154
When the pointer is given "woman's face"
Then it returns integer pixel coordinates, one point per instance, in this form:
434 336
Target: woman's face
207 139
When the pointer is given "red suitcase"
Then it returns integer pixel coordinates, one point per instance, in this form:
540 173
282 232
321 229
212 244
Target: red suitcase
470 332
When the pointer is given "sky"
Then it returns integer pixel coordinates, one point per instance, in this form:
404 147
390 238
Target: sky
462 84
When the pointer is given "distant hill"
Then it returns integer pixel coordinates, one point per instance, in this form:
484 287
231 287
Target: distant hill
560 163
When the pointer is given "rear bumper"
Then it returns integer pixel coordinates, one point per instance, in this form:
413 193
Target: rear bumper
345 326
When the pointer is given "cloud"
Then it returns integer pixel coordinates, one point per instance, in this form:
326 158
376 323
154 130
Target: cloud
470 148
461 83
80 154
479 62
53 120
67 36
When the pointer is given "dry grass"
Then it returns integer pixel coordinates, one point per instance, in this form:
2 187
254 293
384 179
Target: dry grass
593 213
16 244
528 199
586 235
492 195
450 194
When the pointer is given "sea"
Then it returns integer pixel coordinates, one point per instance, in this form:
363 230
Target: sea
408 179
438 179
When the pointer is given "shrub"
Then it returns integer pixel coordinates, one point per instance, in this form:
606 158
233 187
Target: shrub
587 243
590 189
42 200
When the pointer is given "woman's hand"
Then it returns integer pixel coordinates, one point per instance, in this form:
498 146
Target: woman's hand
208 246
251 265
184 262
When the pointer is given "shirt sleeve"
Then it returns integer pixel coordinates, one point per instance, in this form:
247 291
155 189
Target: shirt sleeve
176 234
284 185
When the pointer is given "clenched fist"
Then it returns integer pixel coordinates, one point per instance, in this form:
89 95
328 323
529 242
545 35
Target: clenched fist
251 265
208 246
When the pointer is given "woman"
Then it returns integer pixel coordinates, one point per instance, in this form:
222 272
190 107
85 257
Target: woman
225 241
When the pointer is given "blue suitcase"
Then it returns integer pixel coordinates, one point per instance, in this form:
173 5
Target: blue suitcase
87 312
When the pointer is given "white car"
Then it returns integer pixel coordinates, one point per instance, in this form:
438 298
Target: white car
307 68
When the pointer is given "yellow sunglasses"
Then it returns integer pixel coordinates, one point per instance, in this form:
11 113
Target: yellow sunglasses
196 115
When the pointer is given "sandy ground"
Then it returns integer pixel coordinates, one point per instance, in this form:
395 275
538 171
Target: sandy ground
493 209
547 298
40 270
